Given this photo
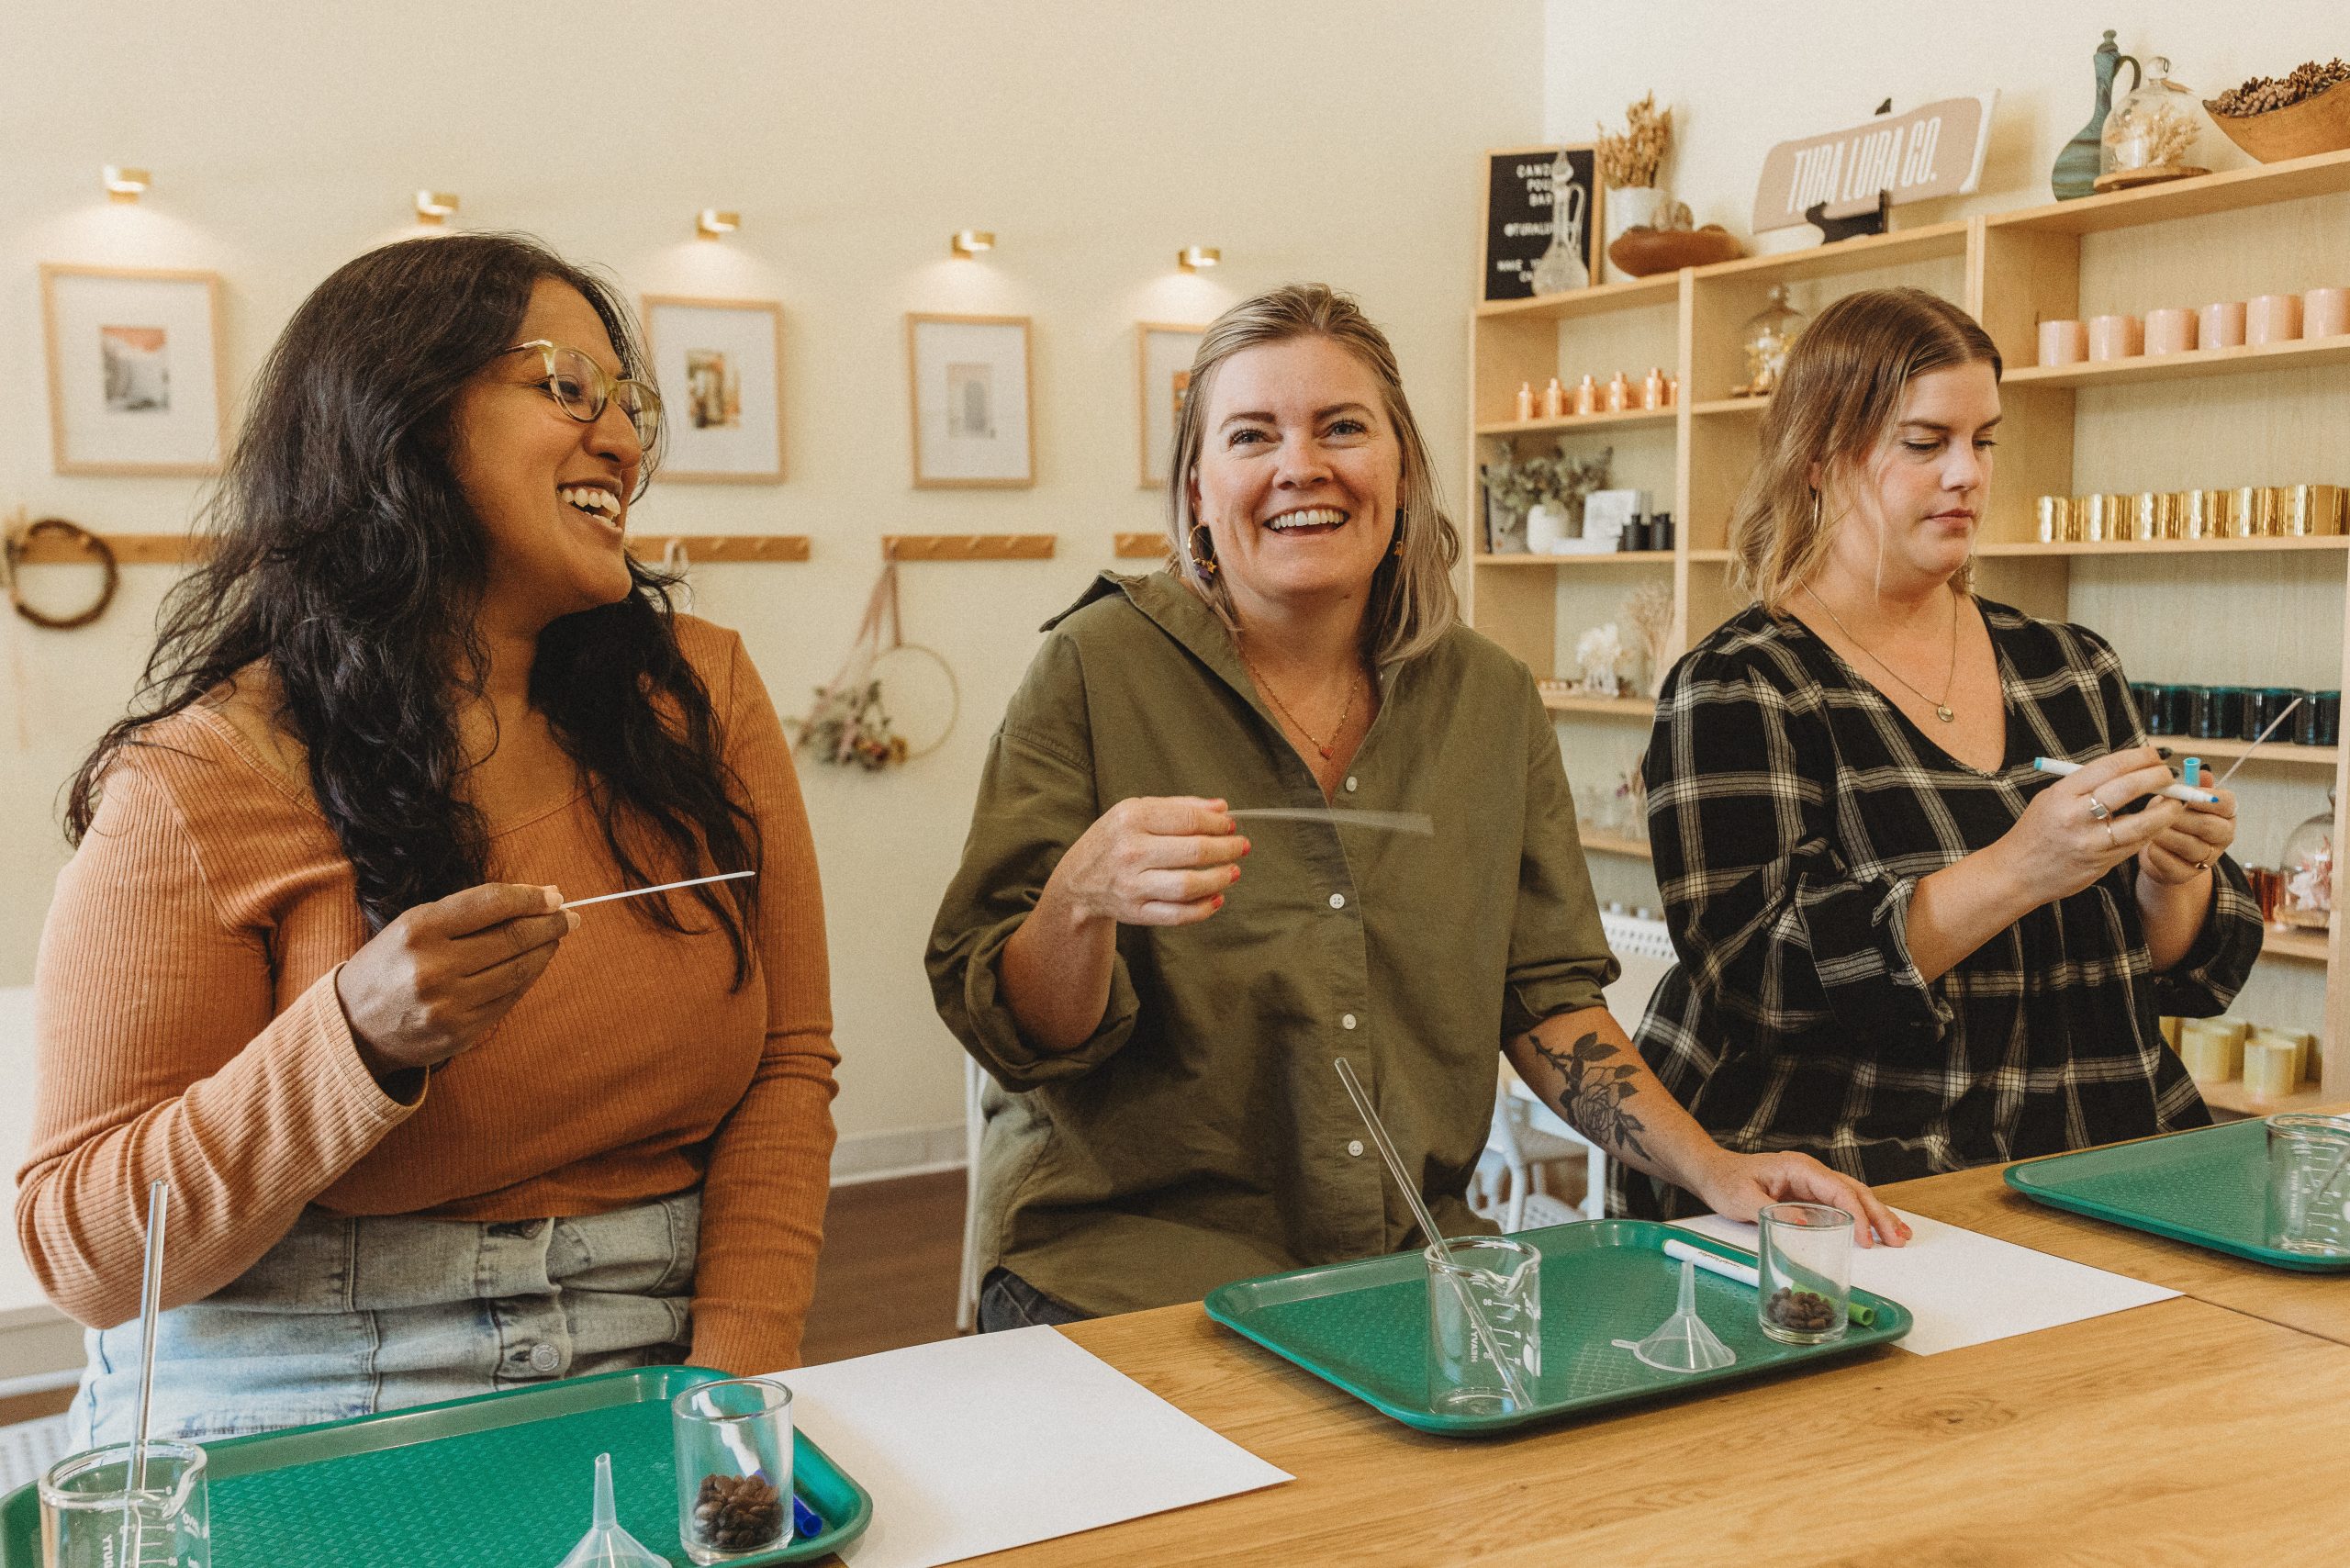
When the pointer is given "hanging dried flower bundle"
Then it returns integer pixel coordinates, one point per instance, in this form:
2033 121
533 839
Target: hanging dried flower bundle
849 726
1633 159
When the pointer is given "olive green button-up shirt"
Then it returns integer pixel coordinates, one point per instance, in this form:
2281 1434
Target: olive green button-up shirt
1202 1135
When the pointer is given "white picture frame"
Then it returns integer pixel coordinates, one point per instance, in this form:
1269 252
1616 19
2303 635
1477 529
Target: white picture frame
973 406
1163 355
720 365
136 385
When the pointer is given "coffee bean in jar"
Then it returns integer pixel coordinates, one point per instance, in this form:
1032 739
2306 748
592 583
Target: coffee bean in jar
1799 1312
737 1513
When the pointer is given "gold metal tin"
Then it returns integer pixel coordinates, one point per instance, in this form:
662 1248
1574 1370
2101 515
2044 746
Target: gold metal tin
2097 518
2145 516
2246 506
2311 510
2208 512
2172 515
2056 518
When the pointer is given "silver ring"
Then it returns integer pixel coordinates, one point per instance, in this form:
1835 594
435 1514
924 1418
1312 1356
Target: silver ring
2100 811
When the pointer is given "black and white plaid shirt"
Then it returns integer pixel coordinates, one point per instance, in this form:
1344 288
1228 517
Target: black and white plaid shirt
1793 809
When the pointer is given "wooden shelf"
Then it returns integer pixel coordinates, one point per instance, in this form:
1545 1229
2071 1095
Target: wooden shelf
1608 707
2300 353
2232 1095
183 549
1608 843
1640 293
2324 173
2275 752
2159 546
1608 559
1721 557
2309 946
701 548
1140 547
1570 423
1934 241
1713 406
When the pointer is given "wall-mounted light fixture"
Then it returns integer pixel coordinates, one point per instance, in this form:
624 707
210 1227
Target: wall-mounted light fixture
435 206
126 185
1198 258
711 222
969 242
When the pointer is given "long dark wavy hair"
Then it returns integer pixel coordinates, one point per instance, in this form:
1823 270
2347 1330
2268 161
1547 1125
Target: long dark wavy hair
344 558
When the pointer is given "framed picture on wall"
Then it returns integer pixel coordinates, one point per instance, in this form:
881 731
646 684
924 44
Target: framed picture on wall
1163 355
973 414
135 380
720 364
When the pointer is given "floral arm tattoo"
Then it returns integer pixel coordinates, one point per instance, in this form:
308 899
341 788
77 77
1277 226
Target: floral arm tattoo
1595 1095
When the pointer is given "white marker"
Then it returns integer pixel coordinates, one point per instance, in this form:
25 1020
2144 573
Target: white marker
2176 791
639 893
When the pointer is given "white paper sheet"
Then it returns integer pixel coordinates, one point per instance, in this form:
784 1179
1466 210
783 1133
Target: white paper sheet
976 1445
1965 1288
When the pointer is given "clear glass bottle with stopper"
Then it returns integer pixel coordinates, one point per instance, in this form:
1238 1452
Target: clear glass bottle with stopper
1561 268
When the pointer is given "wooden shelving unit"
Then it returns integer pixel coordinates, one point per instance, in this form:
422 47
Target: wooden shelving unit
1640 708
2228 611
1610 844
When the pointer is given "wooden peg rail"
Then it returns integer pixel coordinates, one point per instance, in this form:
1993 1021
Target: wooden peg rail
1142 547
129 550
701 547
968 547
179 549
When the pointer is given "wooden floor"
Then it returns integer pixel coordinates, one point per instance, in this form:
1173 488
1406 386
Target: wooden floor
893 1252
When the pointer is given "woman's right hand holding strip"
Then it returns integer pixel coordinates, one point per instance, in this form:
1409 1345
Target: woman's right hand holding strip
434 981
2061 845
1154 860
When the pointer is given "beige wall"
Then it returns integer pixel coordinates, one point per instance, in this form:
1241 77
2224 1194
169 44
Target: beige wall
1094 138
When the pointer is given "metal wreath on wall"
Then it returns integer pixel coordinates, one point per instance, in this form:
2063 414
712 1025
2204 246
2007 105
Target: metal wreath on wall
850 725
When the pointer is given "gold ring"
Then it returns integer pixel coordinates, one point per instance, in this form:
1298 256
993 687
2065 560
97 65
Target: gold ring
2110 842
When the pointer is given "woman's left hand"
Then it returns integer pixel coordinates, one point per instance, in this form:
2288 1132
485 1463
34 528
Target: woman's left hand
2186 849
1737 1186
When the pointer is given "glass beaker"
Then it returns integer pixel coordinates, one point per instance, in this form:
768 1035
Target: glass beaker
733 1458
91 1518
1504 1278
1768 334
2307 866
1805 1294
2309 1185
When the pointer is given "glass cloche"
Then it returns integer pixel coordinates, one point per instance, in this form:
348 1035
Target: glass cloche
2151 133
2308 868
1768 334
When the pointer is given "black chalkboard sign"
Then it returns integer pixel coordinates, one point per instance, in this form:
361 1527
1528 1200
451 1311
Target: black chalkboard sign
1517 215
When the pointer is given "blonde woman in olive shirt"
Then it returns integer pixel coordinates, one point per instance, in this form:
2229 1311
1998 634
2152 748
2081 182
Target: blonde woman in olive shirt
1159 997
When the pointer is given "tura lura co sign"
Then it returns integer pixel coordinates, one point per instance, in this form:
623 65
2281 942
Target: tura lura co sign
1934 150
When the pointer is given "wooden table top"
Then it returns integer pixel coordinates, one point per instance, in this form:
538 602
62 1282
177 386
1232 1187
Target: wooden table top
2211 1428
2175 1433
1981 1201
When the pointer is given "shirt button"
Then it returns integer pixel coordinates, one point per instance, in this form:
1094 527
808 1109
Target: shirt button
1354 1147
1347 1021
1338 900
1350 783
545 1358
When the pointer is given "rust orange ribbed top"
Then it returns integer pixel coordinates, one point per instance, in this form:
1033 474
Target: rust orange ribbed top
189 1029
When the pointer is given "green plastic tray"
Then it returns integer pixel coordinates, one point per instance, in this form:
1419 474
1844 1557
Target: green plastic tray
1363 1326
501 1481
2209 1187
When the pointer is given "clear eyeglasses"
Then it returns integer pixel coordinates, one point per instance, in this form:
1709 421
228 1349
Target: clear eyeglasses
582 388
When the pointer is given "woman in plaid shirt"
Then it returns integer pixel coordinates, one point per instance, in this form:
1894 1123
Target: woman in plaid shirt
1902 951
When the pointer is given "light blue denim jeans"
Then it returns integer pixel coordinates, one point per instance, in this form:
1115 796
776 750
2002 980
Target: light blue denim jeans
349 1317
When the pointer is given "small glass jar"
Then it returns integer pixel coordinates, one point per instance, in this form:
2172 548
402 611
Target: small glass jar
2153 132
1805 1263
2318 721
1768 334
733 1460
2308 864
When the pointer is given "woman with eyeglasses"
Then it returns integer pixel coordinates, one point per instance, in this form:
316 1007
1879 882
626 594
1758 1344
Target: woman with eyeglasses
428 1133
